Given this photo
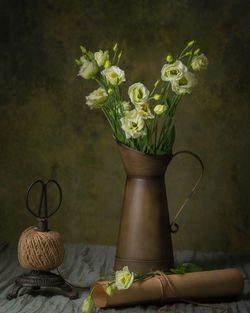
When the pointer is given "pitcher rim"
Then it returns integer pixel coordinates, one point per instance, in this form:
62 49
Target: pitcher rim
163 156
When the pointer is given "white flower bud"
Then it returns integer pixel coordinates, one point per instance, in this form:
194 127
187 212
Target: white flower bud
101 57
88 305
88 70
159 109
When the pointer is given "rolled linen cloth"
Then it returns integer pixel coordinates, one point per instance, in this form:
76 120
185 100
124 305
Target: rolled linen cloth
163 288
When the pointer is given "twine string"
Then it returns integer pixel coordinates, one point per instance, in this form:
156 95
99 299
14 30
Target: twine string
42 251
222 309
165 283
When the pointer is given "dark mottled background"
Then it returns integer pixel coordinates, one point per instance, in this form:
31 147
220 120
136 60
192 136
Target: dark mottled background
48 131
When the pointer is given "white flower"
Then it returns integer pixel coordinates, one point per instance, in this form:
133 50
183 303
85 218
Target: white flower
88 69
101 57
200 62
144 110
97 97
159 109
114 75
185 84
138 93
88 305
133 124
172 72
126 107
124 279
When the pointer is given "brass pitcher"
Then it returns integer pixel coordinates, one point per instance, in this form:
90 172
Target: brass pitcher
144 241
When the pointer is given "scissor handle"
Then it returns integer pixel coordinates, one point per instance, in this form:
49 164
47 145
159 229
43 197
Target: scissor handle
43 194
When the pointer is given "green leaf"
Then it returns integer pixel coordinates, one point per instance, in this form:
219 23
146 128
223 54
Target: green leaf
186 268
190 267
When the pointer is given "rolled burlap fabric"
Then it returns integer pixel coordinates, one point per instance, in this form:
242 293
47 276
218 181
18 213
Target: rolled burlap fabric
163 288
38 250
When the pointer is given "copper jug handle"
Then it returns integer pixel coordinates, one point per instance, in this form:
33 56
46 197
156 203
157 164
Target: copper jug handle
174 226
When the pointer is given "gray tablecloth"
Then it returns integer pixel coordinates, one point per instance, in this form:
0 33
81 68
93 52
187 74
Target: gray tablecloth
83 264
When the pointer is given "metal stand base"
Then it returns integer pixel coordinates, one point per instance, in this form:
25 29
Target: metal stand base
37 279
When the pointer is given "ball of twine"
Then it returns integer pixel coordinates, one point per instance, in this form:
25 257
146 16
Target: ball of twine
42 251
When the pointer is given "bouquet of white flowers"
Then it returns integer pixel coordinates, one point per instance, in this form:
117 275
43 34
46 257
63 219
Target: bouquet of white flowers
144 123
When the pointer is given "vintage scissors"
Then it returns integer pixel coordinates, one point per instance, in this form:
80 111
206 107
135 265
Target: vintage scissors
43 198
